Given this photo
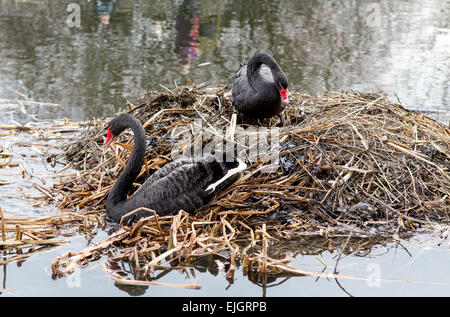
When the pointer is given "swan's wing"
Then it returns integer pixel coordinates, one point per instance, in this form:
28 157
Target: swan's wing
240 87
225 180
186 187
167 169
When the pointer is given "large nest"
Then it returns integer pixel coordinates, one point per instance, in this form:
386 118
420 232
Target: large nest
345 162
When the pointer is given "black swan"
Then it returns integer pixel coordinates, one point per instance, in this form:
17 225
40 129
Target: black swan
260 88
182 184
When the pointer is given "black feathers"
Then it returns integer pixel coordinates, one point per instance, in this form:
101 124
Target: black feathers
257 87
183 184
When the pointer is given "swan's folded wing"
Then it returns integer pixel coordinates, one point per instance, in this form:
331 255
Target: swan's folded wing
181 188
185 187
240 86
167 169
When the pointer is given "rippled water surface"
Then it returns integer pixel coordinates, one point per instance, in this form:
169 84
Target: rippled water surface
92 69
52 68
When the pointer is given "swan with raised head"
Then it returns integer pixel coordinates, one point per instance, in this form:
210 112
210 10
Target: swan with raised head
260 88
182 184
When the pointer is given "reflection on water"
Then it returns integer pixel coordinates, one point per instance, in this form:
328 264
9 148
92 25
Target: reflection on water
105 9
124 48
187 34
216 265
416 267
399 268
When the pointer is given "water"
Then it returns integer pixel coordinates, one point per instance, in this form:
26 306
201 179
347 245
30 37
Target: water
122 49
92 70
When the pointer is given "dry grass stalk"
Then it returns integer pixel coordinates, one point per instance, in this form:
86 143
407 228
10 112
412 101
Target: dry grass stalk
19 233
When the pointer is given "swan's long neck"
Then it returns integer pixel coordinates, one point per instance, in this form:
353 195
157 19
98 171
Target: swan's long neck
123 184
255 63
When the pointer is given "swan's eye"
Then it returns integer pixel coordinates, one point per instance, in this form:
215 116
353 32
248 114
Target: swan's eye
283 93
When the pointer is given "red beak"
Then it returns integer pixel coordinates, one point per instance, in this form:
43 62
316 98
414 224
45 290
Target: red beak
109 138
284 97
